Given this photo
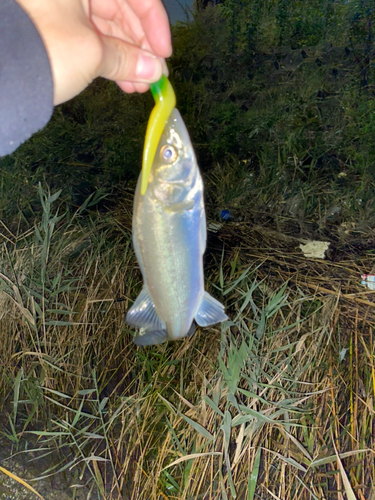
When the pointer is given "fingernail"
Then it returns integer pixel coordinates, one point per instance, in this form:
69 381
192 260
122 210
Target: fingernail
165 67
148 68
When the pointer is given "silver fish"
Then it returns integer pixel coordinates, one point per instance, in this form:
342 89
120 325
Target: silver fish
169 238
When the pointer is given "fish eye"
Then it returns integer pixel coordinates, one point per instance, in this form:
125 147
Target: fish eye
168 153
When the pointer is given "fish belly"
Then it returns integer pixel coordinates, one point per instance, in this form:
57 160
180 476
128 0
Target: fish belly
169 250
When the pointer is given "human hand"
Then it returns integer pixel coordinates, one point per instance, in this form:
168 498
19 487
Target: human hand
122 40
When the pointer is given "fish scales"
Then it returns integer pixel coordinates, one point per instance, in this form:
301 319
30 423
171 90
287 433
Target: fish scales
169 237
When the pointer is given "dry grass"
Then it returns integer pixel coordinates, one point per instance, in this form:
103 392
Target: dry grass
276 403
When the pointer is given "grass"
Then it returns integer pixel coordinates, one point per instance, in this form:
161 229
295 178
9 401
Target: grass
275 403
278 402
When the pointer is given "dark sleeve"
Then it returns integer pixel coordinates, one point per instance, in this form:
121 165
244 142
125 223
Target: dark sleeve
26 87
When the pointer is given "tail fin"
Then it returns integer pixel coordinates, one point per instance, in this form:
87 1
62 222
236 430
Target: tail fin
150 337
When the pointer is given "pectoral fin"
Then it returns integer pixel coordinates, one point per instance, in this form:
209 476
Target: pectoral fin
150 337
210 311
143 313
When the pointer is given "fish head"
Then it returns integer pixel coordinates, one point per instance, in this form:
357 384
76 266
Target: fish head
174 171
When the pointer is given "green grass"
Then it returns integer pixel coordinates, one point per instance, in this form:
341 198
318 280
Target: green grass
256 407
278 401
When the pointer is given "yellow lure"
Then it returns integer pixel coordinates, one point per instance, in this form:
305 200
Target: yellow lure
165 100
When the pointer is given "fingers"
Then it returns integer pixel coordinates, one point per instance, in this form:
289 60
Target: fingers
140 24
124 62
155 23
121 40
143 21
130 87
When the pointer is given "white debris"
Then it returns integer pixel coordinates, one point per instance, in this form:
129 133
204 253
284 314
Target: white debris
315 249
214 227
368 280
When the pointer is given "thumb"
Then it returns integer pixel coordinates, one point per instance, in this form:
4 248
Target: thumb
127 62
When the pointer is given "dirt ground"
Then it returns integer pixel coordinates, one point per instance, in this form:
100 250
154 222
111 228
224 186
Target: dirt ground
28 465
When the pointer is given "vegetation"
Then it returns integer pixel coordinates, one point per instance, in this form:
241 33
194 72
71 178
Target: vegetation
278 402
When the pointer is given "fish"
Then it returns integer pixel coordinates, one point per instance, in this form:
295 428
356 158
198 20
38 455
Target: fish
169 239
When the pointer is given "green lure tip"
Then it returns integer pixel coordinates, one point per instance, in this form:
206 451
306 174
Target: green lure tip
159 88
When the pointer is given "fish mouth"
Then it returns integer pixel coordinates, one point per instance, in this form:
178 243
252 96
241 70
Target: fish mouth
165 102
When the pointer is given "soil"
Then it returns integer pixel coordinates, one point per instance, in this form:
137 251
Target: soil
28 465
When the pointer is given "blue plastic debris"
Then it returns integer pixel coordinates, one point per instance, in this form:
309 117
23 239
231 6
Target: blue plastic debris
225 215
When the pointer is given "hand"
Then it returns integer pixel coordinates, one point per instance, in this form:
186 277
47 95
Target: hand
122 40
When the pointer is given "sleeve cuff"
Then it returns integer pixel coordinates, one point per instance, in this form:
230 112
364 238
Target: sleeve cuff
26 86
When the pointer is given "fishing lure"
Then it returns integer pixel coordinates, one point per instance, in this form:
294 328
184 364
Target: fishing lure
165 99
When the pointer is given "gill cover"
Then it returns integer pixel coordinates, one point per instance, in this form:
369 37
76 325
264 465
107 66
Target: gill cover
165 100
